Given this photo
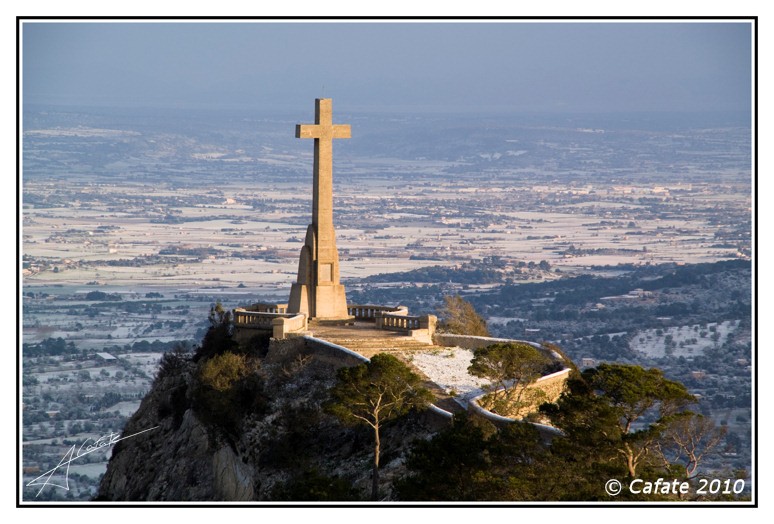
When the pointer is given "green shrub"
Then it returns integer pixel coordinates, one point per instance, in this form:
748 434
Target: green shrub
227 390
221 371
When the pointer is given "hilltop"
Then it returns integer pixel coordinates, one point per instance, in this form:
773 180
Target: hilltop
270 441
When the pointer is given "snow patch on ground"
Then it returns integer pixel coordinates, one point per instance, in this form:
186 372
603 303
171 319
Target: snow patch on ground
448 367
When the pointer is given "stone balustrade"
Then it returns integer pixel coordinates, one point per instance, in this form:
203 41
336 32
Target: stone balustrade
292 323
397 322
369 312
254 319
280 324
274 318
395 319
267 308
419 327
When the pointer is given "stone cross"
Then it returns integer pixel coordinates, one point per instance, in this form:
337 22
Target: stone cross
317 291
323 131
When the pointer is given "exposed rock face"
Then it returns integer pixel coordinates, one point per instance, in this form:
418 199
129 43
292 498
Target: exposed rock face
172 462
233 479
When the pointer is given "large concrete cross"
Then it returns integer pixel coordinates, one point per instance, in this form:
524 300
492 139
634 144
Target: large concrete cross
323 131
317 291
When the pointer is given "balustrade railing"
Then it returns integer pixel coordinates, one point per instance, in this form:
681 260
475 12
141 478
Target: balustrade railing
257 319
402 322
285 324
267 308
280 324
263 316
369 313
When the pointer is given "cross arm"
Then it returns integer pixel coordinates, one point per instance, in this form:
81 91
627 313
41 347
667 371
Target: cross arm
321 131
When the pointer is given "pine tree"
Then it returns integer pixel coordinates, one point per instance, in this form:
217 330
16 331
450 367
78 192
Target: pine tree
375 393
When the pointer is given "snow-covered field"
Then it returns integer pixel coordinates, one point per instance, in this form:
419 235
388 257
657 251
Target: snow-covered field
687 341
147 362
93 470
126 408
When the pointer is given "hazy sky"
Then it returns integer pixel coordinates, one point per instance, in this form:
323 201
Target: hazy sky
618 66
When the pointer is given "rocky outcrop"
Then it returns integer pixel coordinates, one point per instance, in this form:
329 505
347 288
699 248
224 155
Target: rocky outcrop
233 479
172 461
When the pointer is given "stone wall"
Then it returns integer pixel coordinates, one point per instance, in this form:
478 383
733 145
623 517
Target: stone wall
473 342
286 349
544 389
550 388
336 355
327 353
324 352
553 385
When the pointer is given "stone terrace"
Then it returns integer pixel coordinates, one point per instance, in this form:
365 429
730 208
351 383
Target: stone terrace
365 339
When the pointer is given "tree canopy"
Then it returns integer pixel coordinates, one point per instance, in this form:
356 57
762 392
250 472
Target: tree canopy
604 436
600 409
510 367
472 460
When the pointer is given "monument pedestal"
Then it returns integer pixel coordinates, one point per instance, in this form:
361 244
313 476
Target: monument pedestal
320 302
330 302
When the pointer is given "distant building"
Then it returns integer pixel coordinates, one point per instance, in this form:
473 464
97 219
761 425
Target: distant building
106 356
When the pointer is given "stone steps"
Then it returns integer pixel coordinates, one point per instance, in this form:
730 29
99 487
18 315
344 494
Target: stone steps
380 341
371 346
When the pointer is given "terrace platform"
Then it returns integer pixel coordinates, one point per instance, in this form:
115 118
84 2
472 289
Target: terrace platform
364 338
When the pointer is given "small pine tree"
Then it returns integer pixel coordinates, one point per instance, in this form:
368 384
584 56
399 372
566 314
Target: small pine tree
374 393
